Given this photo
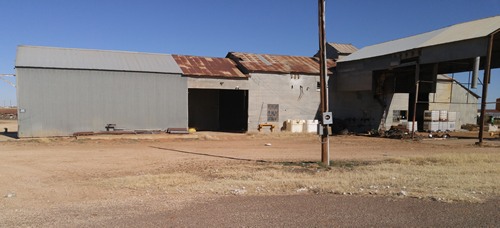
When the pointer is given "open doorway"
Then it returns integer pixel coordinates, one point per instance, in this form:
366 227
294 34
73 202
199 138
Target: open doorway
218 110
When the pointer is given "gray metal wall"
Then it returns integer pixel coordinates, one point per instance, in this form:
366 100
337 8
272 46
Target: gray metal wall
60 102
284 90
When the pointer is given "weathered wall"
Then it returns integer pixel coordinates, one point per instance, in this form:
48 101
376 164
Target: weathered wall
358 111
452 97
296 95
399 101
61 102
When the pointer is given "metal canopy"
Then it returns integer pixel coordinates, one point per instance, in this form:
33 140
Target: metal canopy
473 33
448 50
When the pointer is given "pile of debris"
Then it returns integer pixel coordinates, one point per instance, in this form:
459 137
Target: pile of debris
397 132
470 127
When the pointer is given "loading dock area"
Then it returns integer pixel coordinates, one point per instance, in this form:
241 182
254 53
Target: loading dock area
218 110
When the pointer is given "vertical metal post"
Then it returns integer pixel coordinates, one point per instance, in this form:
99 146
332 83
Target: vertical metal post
475 72
325 144
486 81
417 85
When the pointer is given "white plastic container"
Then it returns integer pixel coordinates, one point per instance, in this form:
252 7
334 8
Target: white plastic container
297 126
311 126
443 115
452 116
288 125
451 126
431 115
431 126
443 125
410 125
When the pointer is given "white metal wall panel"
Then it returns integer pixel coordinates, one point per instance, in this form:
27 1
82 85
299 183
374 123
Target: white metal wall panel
60 102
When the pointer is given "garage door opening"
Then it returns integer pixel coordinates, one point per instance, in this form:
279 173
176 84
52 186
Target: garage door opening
218 110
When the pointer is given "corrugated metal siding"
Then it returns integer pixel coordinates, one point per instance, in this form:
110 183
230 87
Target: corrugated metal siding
61 102
464 31
282 64
208 67
69 58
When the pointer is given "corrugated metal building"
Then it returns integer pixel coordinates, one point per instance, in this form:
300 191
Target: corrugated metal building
376 80
62 91
280 87
218 93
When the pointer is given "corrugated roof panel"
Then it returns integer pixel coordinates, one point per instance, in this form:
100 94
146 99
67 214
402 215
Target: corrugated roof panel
464 31
391 46
208 67
69 58
344 48
278 63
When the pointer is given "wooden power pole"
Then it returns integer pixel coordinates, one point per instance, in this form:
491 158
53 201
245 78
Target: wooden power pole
327 117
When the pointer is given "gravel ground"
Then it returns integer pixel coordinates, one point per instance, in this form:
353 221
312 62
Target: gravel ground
52 183
313 211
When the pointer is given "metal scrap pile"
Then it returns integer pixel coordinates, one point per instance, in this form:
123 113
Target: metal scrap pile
397 132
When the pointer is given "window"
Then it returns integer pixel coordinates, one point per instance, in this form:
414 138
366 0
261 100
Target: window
398 115
273 112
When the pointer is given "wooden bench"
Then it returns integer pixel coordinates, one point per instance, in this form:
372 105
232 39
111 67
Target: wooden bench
110 126
262 125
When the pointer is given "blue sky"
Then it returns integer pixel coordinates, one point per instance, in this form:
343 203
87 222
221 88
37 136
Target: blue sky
212 28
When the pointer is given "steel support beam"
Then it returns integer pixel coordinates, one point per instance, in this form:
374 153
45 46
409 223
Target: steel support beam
417 86
486 82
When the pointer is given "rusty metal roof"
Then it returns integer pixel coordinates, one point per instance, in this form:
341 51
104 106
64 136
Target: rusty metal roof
265 63
208 67
343 48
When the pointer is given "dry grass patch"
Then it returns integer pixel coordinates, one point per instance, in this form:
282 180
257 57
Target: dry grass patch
446 177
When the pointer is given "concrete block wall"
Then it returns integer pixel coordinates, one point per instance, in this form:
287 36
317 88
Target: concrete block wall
399 101
296 94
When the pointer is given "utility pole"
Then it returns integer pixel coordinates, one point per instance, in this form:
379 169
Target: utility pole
327 117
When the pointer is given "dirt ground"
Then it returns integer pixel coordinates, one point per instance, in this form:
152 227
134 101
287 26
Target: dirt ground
46 181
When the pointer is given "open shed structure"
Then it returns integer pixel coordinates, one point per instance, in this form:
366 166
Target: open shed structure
369 80
218 93
61 91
